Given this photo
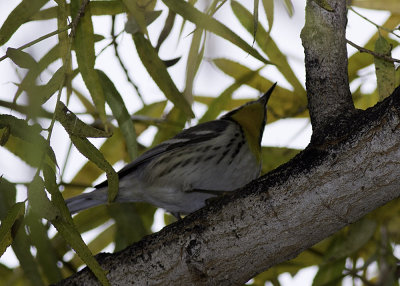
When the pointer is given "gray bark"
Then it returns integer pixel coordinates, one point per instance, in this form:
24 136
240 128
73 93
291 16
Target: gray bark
324 41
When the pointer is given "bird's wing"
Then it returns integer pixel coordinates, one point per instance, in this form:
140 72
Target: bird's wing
190 136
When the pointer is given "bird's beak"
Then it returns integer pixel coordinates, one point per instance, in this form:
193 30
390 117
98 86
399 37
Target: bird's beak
267 95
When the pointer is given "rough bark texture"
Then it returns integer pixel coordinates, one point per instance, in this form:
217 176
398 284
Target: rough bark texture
324 41
274 218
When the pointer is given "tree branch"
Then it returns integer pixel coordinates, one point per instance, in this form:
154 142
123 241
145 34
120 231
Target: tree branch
324 41
273 219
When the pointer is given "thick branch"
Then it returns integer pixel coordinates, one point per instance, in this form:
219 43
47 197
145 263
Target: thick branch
274 218
324 41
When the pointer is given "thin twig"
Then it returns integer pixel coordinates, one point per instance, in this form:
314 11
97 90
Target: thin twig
364 50
115 44
373 23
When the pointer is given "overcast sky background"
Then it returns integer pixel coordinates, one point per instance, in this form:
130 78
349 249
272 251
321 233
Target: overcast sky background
294 133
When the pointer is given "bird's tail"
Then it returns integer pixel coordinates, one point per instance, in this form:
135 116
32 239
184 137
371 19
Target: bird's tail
87 200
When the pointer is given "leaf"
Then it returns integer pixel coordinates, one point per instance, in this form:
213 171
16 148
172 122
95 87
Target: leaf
157 70
96 7
46 254
385 71
289 7
169 24
73 125
19 16
269 47
330 274
85 55
40 204
22 59
72 236
15 212
219 103
324 4
255 19
283 103
132 26
94 155
269 12
30 133
387 5
273 157
207 22
114 100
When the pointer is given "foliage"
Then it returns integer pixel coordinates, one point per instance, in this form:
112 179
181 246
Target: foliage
26 225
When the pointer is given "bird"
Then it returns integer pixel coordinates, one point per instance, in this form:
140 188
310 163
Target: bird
181 174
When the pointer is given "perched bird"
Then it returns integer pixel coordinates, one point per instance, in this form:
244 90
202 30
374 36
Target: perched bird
180 174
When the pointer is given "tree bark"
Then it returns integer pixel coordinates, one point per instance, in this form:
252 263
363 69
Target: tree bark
273 219
324 41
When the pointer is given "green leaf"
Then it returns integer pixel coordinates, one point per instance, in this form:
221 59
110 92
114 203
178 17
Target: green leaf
19 16
22 59
157 70
46 253
85 55
96 7
207 22
269 47
94 155
22 249
289 7
387 5
16 212
73 125
8 194
30 133
138 18
269 12
324 4
385 70
40 204
273 157
283 103
114 100
72 236
330 274
219 103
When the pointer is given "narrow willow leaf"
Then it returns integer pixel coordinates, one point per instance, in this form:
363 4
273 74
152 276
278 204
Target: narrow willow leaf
284 102
289 7
219 103
272 157
24 10
89 151
324 4
169 24
22 59
40 204
255 19
269 47
130 227
96 7
22 249
387 5
4 135
30 133
73 125
46 254
207 22
8 194
157 70
193 63
136 20
114 100
85 55
132 26
72 236
15 212
330 273
269 12
384 70
102 240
